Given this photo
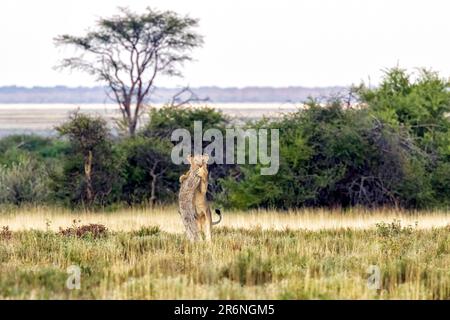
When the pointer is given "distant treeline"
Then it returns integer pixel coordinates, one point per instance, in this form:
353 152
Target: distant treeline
390 149
62 94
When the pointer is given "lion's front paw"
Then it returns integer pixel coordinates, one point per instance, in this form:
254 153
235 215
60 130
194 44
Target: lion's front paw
183 178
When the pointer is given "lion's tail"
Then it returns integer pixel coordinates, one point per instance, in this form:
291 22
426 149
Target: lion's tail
220 217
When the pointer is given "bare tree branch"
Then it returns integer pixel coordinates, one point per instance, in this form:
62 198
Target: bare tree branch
128 51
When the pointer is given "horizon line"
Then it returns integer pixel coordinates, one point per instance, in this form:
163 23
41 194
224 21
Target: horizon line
176 87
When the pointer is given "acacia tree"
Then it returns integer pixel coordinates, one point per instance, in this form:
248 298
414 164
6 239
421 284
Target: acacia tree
129 50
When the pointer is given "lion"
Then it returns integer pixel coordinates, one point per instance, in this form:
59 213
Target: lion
203 216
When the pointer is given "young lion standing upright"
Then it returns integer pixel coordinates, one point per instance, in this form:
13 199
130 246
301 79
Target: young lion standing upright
203 216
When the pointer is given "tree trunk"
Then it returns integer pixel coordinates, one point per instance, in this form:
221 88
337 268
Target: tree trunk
131 117
88 178
132 124
153 190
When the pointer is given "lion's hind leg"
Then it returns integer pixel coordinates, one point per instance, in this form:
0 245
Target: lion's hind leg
208 225
202 223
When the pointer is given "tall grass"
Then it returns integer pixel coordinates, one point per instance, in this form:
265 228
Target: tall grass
168 219
137 259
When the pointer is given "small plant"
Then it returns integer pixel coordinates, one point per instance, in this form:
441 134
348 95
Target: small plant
48 224
147 231
92 230
395 239
5 234
393 229
249 268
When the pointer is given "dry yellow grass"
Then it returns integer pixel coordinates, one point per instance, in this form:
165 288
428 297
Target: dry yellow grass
168 220
254 255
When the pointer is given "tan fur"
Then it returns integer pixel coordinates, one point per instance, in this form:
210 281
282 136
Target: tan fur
199 165
186 206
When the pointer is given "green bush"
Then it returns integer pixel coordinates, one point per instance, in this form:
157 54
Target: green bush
393 150
333 156
16 148
90 175
149 174
25 182
419 103
162 122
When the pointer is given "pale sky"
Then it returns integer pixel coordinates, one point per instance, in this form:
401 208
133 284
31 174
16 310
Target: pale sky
247 42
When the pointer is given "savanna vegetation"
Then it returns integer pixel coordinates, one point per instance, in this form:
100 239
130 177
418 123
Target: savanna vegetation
102 198
255 263
388 146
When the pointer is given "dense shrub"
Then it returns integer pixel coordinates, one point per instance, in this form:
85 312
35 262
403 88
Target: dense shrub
419 103
149 174
333 156
165 120
25 182
13 148
90 175
393 149
152 148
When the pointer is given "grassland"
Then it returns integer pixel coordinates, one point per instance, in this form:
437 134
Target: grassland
254 255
